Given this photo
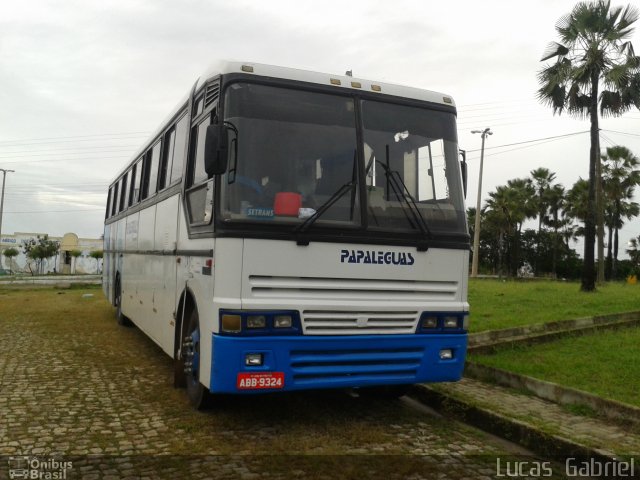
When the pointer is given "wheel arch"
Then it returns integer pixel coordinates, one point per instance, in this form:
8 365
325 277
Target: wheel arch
186 304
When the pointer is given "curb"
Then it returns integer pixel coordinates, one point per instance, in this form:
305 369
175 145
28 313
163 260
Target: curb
489 342
553 392
510 429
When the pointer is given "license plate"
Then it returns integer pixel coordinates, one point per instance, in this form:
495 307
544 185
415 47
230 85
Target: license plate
259 381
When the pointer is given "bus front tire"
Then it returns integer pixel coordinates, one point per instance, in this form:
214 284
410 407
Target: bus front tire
199 395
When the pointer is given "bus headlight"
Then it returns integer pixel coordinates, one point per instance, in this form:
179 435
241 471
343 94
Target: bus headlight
430 322
451 322
256 321
260 322
282 321
442 322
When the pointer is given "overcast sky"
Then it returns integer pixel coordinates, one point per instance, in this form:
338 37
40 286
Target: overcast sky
83 83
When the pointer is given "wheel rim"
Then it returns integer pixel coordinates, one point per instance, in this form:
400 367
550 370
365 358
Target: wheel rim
192 356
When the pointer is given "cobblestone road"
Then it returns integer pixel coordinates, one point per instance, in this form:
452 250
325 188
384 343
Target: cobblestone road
74 386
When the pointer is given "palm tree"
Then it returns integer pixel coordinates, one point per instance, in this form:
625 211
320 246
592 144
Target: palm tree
542 179
555 198
498 219
507 208
576 204
634 254
596 66
621 176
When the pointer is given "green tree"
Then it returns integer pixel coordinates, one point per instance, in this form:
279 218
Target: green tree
555 198
576 203
596 66
620 177
9 253
75 254
634 254
39 250
506 209
97 255
542 179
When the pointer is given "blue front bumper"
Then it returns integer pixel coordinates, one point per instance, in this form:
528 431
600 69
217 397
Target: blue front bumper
310 362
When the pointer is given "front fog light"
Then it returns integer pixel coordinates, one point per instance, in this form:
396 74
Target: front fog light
450 322
282 321
253 359
446 354
256 321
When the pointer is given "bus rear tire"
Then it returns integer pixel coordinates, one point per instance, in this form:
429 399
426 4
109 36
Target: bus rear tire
199 395
120 317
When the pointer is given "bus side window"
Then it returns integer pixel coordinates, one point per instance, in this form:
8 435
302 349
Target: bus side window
114 200
150 171
109 199
134 188
179 150
196 152
200 195
123 193
167 155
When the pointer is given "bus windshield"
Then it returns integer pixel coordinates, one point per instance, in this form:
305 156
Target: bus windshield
298 157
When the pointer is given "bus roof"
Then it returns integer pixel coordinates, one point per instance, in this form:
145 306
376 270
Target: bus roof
339 81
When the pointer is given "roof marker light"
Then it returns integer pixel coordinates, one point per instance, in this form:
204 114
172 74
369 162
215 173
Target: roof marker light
376 88
447 99
335 81
247 68
356 84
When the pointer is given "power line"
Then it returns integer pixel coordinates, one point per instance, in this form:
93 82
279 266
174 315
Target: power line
530 141
4 142
622 133
124 148
122 157
60 211
64 150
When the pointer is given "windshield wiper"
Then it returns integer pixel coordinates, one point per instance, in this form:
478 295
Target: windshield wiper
323 208
402 192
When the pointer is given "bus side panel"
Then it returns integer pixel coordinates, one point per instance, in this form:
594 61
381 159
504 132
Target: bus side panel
162 320
131 273
144 264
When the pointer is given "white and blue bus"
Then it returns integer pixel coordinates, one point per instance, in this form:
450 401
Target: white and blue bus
286 230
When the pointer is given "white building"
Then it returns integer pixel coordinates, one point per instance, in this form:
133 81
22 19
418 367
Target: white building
63 262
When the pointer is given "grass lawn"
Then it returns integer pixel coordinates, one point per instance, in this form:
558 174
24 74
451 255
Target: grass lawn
604 363
499 304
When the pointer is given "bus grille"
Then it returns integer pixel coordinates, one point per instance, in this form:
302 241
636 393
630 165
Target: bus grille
336 322
377 365
317 288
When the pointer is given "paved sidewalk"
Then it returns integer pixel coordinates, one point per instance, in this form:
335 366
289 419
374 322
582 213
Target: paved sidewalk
601 435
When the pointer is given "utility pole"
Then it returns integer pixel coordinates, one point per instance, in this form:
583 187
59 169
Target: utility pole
4 175
476 230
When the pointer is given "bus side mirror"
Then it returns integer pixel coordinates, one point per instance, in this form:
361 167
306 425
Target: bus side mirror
463 170
215 150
